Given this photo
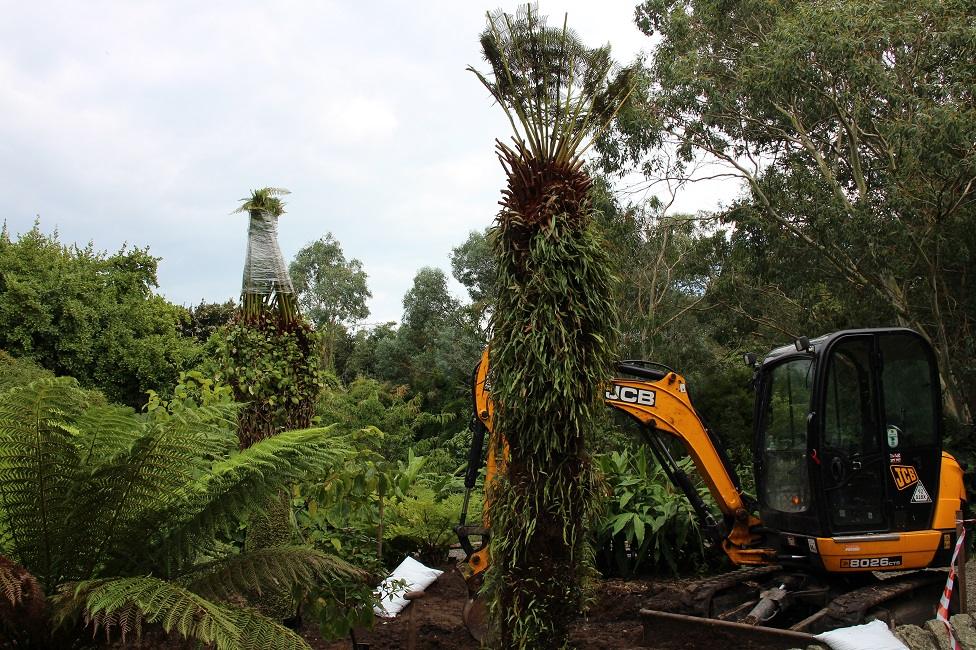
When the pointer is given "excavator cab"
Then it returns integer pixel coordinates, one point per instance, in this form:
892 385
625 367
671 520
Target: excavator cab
848 440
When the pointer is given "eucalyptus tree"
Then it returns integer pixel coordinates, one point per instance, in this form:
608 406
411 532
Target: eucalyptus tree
851 126
331 291
553 327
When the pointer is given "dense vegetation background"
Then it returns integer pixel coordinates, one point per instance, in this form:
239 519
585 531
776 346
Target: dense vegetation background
851 127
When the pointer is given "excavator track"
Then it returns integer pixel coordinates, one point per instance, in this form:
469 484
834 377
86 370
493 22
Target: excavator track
699 597
853 607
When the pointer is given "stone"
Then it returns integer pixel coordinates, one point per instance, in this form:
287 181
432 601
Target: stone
937 628
965 628
916 638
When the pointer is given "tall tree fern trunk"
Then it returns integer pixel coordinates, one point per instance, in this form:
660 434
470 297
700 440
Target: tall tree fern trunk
553 337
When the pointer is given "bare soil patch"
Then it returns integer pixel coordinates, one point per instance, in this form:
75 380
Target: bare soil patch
613 622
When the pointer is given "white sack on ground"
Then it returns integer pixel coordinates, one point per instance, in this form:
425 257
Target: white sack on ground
417 578
870 636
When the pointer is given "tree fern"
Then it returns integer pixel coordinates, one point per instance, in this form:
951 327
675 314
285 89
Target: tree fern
553 325
101 498
129 491
123 604
286 566
241 484
38 464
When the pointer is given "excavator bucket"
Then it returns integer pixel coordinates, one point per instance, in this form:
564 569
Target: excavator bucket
475 617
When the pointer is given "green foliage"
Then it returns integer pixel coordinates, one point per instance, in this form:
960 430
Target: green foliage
273 368
851 127
332 292
424 525
389 420
647 525
554 90
125 604
19 372
473 265
119 515
347 514
206 318
266 199
93 316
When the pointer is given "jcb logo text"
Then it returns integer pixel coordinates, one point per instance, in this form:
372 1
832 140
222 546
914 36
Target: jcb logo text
904 476
630 395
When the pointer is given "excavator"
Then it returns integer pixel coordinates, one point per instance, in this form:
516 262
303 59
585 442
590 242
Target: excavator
855 495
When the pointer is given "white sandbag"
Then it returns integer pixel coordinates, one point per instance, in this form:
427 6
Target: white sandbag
870 636
417 578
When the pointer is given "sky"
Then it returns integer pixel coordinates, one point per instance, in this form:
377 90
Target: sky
146 123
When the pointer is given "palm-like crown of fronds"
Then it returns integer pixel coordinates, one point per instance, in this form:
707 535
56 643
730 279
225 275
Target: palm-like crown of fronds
555 91
266 199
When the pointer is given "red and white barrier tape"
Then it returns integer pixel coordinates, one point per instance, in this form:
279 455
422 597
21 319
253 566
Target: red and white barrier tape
943 613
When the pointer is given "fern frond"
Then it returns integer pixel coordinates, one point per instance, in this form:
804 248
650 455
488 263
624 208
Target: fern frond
238 486
38 466
282 567
23 608
166 453
105 432
123 605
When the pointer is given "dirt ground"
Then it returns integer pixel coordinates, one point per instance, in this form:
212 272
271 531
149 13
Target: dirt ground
437 620
613 623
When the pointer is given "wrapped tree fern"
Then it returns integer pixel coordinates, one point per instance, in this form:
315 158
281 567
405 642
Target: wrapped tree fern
270 362
111 522
553 327
268 349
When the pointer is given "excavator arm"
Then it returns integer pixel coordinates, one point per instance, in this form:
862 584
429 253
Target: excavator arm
657 398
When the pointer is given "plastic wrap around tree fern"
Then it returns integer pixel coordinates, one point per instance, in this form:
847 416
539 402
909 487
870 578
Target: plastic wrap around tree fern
266 284
116 517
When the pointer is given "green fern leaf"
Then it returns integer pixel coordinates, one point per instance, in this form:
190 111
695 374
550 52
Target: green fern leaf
284 567
39 461
121 495
237 487
123 605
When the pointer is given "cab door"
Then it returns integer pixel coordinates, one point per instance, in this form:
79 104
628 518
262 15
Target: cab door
911 402
852 464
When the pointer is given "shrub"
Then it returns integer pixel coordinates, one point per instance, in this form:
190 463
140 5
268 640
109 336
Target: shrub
648 525
424 525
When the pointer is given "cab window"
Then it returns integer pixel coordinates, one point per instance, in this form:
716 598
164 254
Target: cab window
908 386
786 484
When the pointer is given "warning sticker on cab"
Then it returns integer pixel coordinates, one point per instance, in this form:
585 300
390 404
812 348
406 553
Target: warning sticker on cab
904 475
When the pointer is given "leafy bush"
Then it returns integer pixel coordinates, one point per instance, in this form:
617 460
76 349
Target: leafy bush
19 372
648 524
93 316
424 525
347 514
113 521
